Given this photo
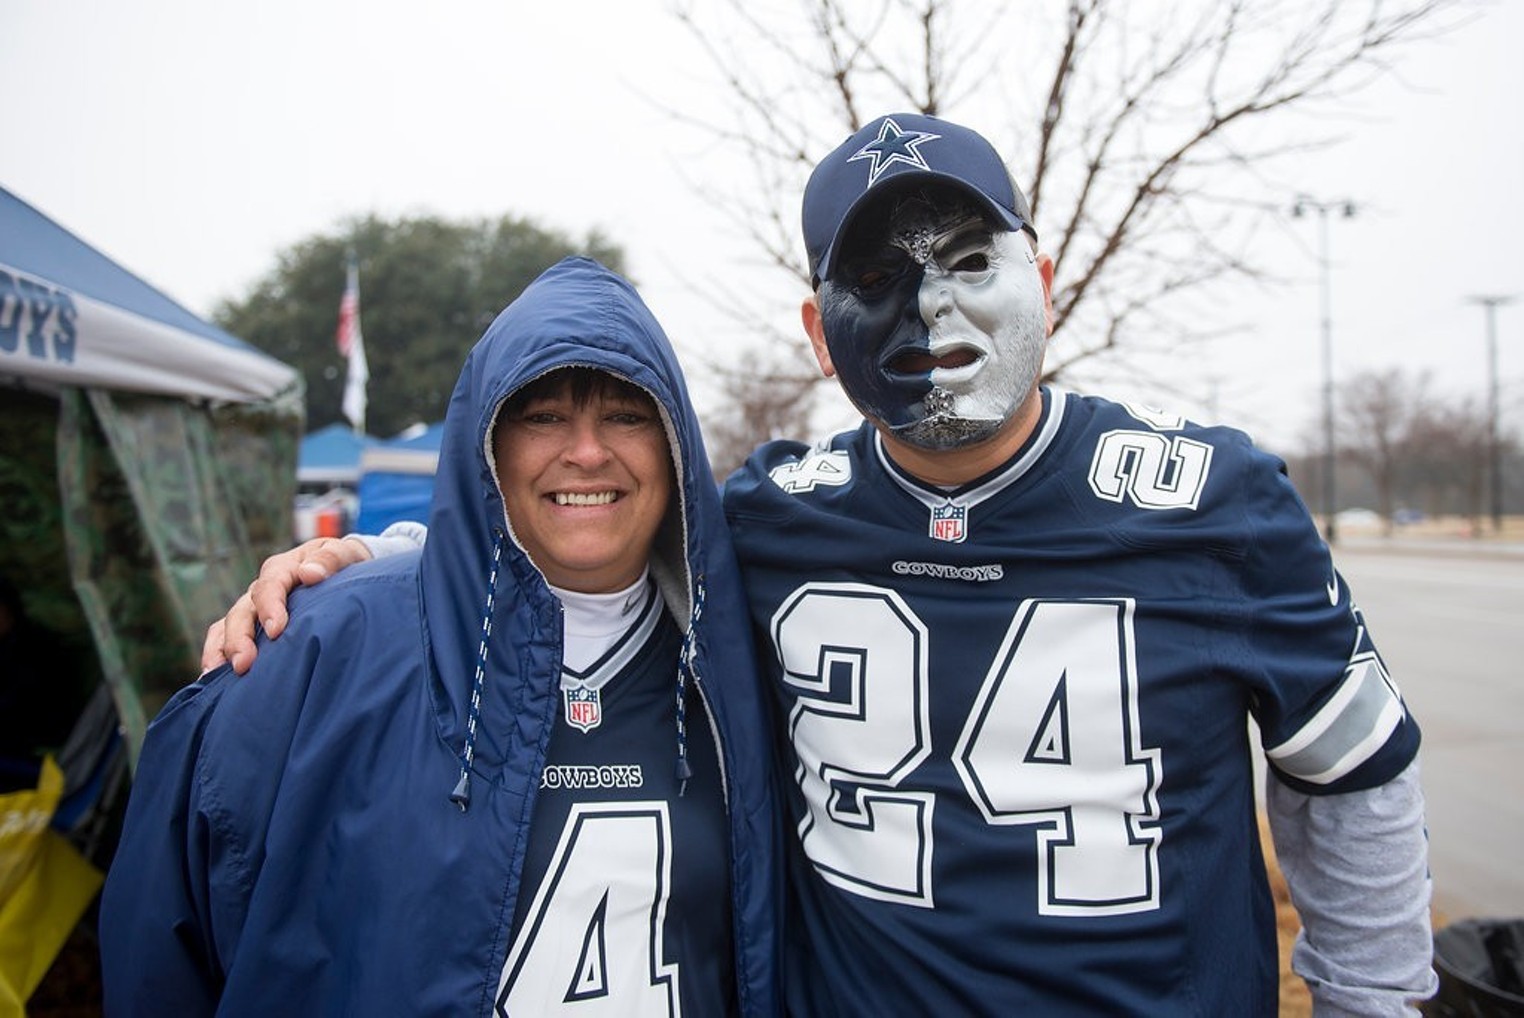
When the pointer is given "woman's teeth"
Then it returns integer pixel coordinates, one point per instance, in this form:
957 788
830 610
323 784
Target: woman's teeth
580 498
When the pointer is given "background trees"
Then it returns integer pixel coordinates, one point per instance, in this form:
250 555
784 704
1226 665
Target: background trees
1403 448
1445 460
428 288
1382 412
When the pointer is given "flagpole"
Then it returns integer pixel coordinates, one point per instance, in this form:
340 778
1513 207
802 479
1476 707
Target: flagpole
351 343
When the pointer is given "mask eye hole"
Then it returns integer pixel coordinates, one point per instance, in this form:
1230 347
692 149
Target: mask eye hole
966 249
975 262
872 274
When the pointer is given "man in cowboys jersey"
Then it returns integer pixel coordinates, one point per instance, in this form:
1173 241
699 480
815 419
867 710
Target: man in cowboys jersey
1017 638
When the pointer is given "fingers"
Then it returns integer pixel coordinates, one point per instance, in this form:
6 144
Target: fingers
211 647
321 557
231 638
308 563
238 635
265 600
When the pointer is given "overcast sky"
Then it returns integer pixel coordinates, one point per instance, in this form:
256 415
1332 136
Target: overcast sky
192 141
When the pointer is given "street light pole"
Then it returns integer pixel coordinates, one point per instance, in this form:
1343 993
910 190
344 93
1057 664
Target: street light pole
1304 204
1490 303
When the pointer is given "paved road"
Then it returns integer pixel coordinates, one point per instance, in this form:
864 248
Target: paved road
1451 628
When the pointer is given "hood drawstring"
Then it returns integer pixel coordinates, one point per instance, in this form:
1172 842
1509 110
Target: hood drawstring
685 671
461 796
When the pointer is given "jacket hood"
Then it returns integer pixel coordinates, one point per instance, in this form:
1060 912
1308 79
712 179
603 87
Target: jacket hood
476 580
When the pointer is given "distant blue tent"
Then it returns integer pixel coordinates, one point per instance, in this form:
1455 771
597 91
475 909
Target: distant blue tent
331 456
419 436
397 479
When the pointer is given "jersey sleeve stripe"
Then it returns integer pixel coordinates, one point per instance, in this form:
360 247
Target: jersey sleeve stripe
1349 729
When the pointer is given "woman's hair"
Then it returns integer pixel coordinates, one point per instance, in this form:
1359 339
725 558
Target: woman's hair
581 383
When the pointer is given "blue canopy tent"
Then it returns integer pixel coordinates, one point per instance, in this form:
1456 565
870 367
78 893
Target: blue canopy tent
397 479
75 318
331 456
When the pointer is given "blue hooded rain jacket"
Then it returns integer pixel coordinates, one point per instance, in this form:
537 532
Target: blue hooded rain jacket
296 842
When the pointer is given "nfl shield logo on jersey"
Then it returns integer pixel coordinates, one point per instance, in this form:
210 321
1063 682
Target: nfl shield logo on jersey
584 708
947 522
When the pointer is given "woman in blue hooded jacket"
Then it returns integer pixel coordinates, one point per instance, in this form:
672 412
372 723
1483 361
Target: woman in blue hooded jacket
524 771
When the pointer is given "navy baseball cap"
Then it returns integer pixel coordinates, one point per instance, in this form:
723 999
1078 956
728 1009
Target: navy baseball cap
899 148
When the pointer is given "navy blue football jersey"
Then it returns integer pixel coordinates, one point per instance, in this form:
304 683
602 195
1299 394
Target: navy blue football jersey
1017 714
624 907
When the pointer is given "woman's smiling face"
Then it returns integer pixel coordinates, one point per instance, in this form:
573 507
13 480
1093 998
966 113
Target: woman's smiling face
586 477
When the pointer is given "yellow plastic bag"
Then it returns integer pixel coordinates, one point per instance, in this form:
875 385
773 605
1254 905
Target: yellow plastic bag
45 886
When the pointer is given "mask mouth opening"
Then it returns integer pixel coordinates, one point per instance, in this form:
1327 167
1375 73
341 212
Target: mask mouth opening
919 362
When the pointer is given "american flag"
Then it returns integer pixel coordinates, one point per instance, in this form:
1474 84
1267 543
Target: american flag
351 343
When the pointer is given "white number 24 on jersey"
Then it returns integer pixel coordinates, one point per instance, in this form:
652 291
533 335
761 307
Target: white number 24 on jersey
1051 742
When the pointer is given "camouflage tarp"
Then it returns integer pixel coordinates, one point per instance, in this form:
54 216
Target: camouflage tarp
33 556
133 521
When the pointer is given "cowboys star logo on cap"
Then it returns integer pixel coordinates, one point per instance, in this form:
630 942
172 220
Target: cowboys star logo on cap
893 145
895 148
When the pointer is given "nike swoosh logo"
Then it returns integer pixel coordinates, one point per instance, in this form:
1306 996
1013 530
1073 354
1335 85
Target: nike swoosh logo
1333 592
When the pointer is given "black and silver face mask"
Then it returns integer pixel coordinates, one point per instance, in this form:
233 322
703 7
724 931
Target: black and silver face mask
935 319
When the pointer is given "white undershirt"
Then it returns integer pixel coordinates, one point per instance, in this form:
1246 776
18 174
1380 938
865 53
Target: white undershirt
592 623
